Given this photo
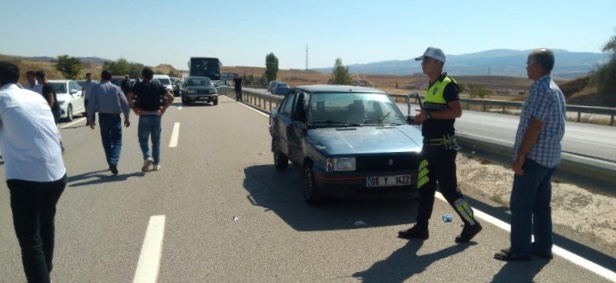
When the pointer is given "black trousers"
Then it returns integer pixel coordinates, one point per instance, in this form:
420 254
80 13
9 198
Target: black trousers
34 208
442 170
238 94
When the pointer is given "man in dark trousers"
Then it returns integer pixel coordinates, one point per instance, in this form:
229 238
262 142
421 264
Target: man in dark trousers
439 113
110 102
237 82
35 172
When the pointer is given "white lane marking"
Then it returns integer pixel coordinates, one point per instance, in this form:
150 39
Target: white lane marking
149 260
175 135
76 121
565 254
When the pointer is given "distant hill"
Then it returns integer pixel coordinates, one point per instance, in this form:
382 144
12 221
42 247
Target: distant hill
498 62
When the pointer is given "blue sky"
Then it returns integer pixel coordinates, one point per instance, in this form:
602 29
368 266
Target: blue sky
242 32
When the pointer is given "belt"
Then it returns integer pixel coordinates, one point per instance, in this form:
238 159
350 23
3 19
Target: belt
449 141
108 114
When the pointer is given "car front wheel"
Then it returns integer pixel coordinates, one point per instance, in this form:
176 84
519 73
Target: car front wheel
312 195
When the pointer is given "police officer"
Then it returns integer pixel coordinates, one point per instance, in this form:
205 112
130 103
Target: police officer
441 108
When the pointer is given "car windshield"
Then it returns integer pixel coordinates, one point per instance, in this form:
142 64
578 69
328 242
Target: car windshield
198 82
164 81
282 85
334 109
59 87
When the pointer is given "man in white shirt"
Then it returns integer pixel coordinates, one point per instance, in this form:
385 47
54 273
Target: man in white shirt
32 84
35 172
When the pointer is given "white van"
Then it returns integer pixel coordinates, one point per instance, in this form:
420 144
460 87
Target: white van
165 81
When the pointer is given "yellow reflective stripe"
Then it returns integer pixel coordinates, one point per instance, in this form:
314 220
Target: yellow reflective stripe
464 209
422 176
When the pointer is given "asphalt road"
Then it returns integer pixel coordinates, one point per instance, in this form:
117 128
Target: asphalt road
218 211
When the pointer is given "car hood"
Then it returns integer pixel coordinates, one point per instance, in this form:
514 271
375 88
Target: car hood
366 139
200 87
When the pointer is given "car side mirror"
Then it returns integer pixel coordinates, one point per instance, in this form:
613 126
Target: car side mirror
73 91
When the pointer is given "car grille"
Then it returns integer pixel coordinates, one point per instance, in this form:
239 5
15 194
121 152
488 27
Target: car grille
201 91
383 163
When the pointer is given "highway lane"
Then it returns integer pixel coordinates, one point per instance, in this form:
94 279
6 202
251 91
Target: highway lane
230 217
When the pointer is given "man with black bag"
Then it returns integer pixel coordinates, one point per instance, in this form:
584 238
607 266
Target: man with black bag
149 101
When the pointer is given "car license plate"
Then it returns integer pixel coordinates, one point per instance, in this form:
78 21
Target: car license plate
388 181
203 98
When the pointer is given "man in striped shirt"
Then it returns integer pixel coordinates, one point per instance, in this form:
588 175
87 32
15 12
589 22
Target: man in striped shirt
536 155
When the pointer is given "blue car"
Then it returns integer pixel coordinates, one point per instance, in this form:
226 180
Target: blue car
348 141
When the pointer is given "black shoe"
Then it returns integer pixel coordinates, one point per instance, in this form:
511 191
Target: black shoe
535 252
414 232
114 169
468 232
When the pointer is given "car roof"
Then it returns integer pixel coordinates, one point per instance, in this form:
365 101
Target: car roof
196 77
59 81
337 88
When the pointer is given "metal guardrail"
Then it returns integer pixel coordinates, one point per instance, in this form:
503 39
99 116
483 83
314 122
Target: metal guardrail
486 104
588 172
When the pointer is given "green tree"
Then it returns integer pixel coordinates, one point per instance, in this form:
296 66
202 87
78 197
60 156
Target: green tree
69 66
123 67
605 76
478 91
340 74
271 67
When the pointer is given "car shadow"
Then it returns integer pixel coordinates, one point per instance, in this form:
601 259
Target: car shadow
280 192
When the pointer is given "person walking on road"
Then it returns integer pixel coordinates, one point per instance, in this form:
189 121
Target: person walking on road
441 107
49 93
536 155
125 85
111 103
150 103
237 83
87 89
34 171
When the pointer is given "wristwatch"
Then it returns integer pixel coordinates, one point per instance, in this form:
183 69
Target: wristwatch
428 115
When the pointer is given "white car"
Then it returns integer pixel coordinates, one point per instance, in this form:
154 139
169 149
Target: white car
70 98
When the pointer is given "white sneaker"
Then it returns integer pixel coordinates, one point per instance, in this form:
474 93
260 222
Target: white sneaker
146 164
156 167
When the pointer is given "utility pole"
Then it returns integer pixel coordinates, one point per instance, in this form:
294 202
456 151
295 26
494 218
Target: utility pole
306 57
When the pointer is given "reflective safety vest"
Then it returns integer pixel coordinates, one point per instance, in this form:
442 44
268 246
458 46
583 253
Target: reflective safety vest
435 91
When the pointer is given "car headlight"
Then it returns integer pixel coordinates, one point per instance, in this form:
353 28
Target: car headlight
341 164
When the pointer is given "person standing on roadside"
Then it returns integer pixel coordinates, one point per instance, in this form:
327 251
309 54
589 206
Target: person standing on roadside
441 107
111 103
149 101
237 83
87 89
536 155
35 172
32 84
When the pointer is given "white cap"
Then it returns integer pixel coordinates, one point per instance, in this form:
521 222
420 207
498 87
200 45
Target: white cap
434 53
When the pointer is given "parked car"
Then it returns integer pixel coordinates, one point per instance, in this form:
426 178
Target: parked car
165 80
199 89
281 88
175 83
70 98
271 85
348 141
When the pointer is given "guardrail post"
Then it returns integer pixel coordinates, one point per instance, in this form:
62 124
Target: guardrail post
579 116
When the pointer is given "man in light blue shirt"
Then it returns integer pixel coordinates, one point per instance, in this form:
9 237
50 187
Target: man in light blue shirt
110 102
35 172
537 151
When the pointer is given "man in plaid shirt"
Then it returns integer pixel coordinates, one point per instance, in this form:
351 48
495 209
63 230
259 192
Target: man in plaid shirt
536 156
